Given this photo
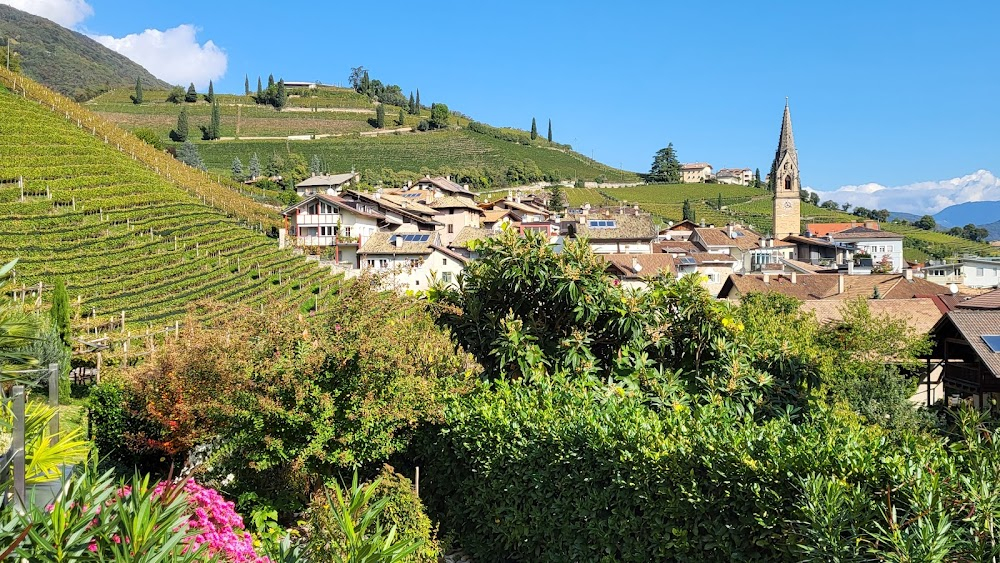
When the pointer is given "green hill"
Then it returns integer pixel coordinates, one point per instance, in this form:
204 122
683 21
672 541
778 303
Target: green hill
752 207
66 61
337 124
129 228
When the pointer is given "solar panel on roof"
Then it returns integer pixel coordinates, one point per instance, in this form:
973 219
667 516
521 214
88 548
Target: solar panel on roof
993 341
602 224
688 260
414 238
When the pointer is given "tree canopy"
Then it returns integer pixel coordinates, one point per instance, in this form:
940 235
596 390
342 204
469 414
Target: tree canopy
666 169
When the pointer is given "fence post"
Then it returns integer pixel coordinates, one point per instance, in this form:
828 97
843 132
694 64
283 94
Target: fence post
17 443
54 401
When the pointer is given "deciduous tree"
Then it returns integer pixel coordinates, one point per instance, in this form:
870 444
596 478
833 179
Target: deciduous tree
439 116
926 223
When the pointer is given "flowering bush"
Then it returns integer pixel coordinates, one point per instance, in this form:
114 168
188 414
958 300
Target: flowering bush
217 525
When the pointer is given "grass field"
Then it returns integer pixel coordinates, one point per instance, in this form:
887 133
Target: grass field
125 238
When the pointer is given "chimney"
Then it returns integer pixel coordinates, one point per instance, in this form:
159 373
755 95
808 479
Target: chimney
510 195
908 272
840 284
409 184
465 187
767 279
398 240
729 231
636 266
794 278
850 267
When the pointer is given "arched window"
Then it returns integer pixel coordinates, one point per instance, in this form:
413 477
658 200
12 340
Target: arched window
788 182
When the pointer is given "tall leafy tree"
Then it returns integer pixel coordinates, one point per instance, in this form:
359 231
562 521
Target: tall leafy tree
550 131
534 129
237 169
59 313
439 116
380 116
246 84
666 169
137 98
557 199
180 133
192 94
254 167
210 96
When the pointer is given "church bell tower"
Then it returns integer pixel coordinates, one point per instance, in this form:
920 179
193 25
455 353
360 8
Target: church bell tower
785 182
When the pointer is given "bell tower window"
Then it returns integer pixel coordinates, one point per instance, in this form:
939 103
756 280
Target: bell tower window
788 182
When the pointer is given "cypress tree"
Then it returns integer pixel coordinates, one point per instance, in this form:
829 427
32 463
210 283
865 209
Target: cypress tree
718 204
254 167
380 116
400 120
137 98
418 100
260 90
246 84
270 80
192 94
59 313
210 96
534 129
281 97
756 178
550 130
237 169
686 211
180 133
413 105
216 122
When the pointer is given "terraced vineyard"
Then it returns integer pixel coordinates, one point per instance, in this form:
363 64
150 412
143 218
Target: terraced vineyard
124 237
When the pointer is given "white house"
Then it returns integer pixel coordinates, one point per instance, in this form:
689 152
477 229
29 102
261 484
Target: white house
735 176
695 172
981 272
410 260
880 245
323 220
629 232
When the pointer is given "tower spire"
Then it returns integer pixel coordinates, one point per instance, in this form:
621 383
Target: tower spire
785 181
786 142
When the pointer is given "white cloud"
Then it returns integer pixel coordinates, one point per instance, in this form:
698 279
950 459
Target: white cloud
66 13
173 55
919 198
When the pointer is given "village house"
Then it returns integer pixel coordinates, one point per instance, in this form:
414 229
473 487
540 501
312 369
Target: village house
441 183
322 220
456 213
881 246
410 260
518 209
807 287
967 349
462 243
819 251
695 172
326 184
635 270
750 250
630 232
734 176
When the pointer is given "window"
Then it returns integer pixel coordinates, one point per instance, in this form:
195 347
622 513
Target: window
451 229
371 263
993 341
980 272
414 262
347 231
444 261
602 224
446 277
383 263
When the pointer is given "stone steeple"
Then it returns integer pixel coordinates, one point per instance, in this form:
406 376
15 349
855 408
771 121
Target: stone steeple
785 181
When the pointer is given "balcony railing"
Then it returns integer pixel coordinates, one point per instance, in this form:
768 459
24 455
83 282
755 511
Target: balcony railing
318 219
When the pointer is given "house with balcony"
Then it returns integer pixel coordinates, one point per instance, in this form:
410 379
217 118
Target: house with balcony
880 246
734 176
967 349
751 251
322 220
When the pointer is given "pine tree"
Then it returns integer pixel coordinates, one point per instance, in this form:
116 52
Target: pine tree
188 154
316 165
534 129
137 98
246 84
380 116
550 130
557 200
254 167
666 168
260 90
401 119
192 94
756 178
418 101
270 80
210 96
59 313
413 105
238 169
686 211
180 133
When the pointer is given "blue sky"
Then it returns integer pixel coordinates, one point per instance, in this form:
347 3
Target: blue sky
881 92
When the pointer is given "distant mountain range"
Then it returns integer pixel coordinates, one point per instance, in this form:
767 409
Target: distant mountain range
985 214
66 61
